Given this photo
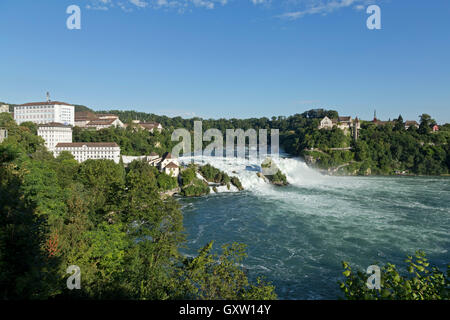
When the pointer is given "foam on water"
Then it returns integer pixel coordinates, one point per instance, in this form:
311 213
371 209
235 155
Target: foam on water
296 171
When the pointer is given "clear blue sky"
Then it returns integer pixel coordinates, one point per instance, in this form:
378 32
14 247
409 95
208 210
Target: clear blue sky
230 58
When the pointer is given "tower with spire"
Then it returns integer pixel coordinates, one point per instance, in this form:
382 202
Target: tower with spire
356 127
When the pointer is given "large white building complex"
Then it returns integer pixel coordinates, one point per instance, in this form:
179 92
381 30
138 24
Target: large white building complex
45 112
54 133
83 151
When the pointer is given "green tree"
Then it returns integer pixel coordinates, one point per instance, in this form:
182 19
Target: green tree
424 282
218 277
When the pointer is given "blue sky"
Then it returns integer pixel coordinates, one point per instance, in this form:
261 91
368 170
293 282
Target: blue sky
230 58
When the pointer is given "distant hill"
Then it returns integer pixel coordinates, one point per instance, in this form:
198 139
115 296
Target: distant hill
80 108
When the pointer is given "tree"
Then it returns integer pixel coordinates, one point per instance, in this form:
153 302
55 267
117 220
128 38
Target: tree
426 123
399 124
219 277
425 282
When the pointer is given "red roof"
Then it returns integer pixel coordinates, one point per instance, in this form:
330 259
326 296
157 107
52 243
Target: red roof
100 122
171 166
84 116
44 103
167 155
88 144
53 124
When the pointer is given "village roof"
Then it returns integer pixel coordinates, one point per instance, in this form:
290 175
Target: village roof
411 122
154 154
44 103
88 144
171 166
53 124
149 125
99 122
107 115
85 115
167 155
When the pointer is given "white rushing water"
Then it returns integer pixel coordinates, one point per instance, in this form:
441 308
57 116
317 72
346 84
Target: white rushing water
296 171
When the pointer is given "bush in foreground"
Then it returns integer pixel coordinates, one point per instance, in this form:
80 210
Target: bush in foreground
423 282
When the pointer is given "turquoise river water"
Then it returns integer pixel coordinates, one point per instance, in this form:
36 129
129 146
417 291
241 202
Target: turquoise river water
298 235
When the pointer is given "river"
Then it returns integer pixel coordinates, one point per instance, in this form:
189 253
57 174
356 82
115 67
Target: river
298 235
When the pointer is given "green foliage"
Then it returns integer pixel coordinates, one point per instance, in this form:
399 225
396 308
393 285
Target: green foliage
133 140
422 282
213 174
109 221
191 186
237 183
384 149
166 182
278 178
196 188
219 277
268 166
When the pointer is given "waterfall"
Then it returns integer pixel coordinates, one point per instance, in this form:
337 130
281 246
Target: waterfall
296 171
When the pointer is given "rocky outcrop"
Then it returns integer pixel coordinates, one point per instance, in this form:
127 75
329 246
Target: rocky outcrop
272 174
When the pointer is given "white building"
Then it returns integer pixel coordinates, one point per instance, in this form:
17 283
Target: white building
107 116
151 126
4 108
45 112
104 123
326 123
83 151
54 133
3 134
166 159
172 170
169 165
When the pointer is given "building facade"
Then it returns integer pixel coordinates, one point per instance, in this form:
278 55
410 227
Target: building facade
4 108
168 164
54 133
151 126
3 134
172 169
83 151
104 123
45 112
326 123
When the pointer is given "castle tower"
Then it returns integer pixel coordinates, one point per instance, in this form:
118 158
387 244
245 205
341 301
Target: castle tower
356 127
